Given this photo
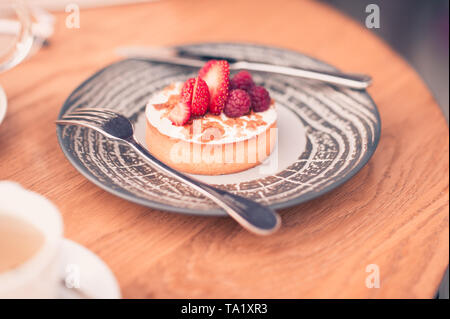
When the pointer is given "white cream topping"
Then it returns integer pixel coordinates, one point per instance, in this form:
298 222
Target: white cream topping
233 133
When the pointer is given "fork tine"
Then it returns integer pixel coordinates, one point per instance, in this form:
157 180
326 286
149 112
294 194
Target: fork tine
69 122
98 110
82 123
84 117
81 112
76 122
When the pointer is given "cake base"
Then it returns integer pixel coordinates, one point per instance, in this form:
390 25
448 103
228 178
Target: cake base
211 158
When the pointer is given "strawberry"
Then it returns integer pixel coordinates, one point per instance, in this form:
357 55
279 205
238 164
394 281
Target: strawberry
216 74
201 98
195 93
180 114
187 91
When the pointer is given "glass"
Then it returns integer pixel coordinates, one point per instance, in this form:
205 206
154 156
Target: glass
16 39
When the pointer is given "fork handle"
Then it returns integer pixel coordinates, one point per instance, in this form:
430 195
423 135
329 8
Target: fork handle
254 217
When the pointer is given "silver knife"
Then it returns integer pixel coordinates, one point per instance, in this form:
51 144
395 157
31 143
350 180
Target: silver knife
184 58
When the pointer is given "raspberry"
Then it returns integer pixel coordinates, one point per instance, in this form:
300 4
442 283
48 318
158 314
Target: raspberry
260 99
242 80
238 103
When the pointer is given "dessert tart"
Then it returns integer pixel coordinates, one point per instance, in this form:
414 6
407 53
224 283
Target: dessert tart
210 125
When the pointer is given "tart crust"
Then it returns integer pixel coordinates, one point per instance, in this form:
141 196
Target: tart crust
211 159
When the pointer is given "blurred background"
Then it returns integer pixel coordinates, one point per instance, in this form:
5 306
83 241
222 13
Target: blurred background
418 30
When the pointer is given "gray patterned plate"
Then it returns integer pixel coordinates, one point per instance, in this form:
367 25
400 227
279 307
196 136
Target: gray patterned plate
325 134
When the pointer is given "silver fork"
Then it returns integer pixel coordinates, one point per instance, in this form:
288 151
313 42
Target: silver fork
254 217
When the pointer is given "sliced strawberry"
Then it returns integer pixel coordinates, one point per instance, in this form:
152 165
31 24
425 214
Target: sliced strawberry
187 91
216 74
180 114
200 98
195 93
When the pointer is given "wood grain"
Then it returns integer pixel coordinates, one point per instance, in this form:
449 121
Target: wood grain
394 213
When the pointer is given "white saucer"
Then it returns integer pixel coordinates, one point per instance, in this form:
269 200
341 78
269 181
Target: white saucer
81 267
3 104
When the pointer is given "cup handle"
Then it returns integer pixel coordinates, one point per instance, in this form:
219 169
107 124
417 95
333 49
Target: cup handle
25 40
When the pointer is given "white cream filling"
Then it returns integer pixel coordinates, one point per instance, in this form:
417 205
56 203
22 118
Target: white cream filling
232 133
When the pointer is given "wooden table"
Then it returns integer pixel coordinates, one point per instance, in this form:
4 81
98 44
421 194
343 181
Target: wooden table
394 213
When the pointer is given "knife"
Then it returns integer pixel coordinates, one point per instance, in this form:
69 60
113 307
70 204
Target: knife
186 58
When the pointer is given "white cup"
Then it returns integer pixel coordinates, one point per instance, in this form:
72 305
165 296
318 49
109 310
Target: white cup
39 276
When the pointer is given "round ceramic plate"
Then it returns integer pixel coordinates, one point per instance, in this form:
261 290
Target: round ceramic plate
326 134
3 104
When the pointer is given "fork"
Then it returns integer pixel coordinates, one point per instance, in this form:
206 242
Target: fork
251 215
